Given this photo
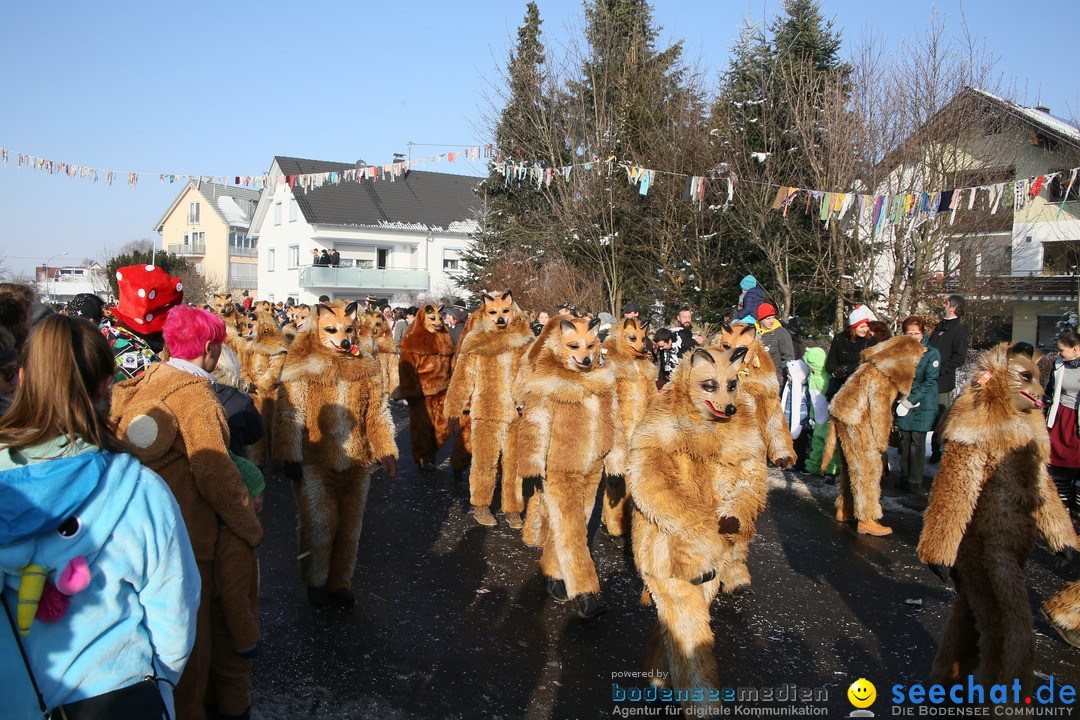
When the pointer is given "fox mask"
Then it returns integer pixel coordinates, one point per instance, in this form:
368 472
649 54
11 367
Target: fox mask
258 326
300 316
739 335
375 321
223 305
1025 389
338 325
498 311
634 333
713 382
432 318
578 344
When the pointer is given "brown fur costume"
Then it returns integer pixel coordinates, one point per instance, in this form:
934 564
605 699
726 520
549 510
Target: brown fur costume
426 351
481 384
461 455
263 347
570 430
862 416
332 418
384 350
759 380
991 494
635 387
689 474
1062 611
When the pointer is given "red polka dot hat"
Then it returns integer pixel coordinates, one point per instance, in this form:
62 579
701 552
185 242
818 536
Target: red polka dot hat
146 294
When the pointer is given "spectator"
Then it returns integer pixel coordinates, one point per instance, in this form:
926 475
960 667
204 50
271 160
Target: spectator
879 330
316 260
775 338
664 356
247 301
752 296
134 334
17 310
817 381
132 585
685 339
796 328
324 258
245 424
172 417
567 308
455 319
1063 420
950 339
335 258
846 348
542 318
631 310
87 306
915 413
400 326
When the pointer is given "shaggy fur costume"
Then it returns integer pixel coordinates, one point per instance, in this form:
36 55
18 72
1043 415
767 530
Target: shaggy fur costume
481 384
635 388
263 347
426 351
990 497
570 431
384 350
696 478
332 418
1063 612
759 380
461 455
861 417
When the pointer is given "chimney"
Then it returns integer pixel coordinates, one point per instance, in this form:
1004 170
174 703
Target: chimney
1043 109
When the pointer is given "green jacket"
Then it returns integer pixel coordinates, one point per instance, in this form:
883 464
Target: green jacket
924 392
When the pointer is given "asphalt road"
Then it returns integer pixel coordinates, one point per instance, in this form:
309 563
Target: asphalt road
452 620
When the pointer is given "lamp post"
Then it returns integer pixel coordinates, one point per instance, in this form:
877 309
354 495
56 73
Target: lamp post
47 263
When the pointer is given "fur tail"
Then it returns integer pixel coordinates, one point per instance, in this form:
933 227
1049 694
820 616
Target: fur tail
830 447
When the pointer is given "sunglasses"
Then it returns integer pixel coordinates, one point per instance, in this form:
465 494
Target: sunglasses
9 373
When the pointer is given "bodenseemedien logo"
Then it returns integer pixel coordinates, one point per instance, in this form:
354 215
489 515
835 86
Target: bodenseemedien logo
861 694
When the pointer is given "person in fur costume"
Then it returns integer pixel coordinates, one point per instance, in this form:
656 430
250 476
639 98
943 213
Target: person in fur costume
635 387
384 350
264 347
570 431
761 382
331 423
689 474
424 370
991 495
1062 611
481 384
861 418
461 454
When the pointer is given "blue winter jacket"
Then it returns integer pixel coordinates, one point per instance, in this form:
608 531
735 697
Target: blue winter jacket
137 615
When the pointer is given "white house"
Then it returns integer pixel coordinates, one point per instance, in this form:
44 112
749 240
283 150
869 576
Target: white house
61 284
404 234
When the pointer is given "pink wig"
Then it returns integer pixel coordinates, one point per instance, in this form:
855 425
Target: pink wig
188 329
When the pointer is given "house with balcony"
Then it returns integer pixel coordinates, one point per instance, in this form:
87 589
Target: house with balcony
61 284
397 235
208 224
1023 263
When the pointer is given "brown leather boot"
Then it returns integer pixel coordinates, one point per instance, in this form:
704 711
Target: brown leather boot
514 520
483 516
843 515
873 527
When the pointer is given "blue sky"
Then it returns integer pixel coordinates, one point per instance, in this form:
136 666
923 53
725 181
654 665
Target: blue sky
220 88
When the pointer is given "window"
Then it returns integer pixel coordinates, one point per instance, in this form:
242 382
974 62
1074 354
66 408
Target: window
383 258
270 260
451 260
193 213
292 210
277 213
294 257
1058 185
239 239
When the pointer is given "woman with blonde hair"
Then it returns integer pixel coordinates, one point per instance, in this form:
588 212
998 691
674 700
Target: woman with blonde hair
100 586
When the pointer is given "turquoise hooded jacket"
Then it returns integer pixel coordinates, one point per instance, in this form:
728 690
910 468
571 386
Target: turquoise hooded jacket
136 615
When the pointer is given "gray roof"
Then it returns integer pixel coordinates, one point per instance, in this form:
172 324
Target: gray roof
431 199
239 206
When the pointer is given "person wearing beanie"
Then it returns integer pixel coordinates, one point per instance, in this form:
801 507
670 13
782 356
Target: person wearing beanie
775 338
752 296
87 306
847 347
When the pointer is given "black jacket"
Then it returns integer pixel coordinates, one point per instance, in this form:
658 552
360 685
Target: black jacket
950 338
843 358
245 423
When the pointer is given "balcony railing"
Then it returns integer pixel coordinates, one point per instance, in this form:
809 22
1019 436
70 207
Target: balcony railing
314 276
188 249
243 251
243 282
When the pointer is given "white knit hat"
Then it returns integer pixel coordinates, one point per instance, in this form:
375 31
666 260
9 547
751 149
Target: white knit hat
860 315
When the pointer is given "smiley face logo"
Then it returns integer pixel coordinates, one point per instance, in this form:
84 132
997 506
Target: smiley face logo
862 693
